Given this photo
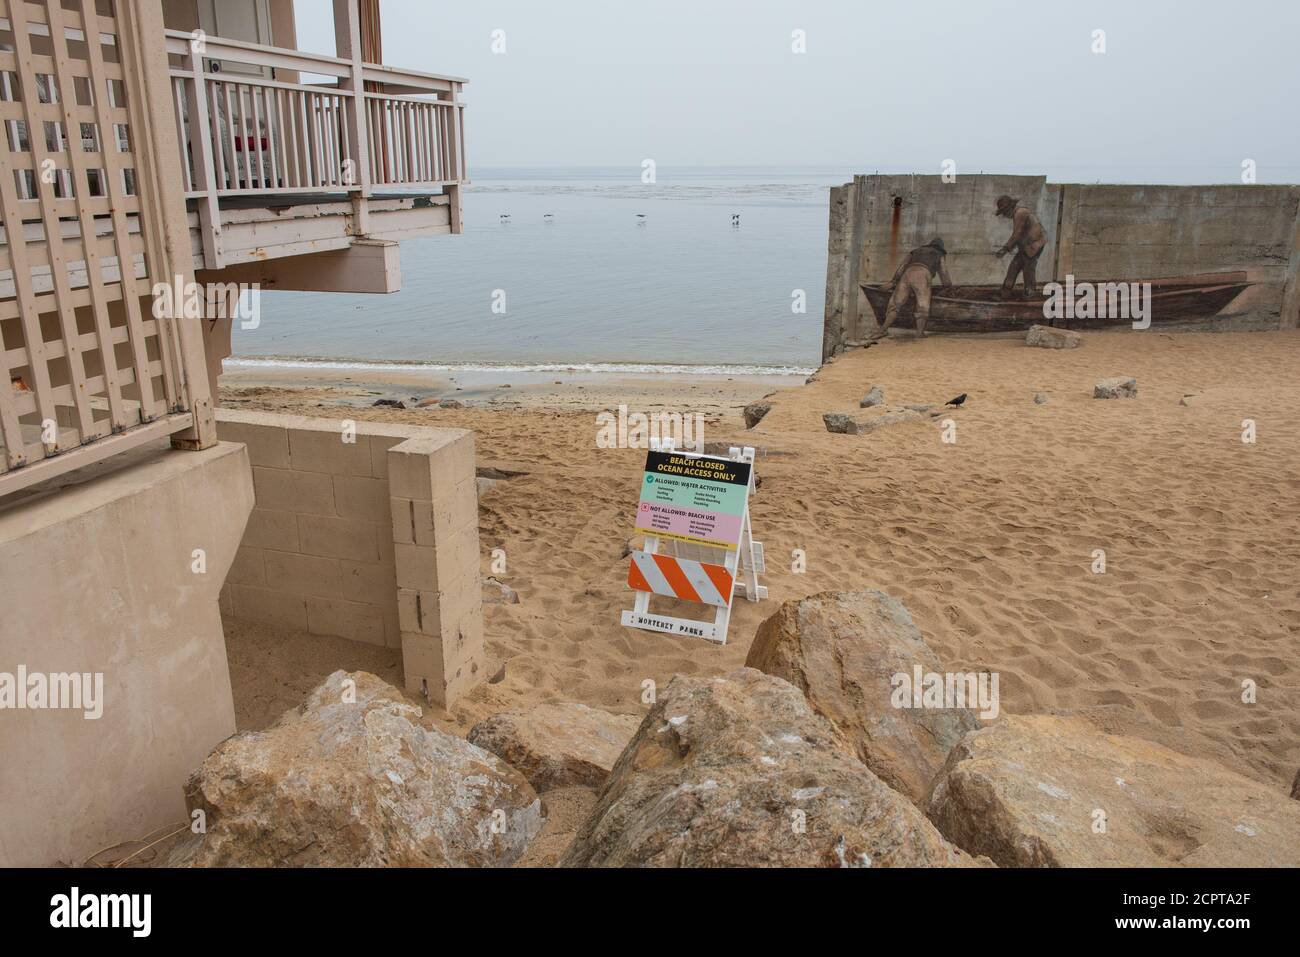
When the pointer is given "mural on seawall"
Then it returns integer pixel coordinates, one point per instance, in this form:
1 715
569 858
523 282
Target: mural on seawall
993 253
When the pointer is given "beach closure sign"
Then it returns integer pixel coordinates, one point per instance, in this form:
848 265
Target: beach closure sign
694 514
694 499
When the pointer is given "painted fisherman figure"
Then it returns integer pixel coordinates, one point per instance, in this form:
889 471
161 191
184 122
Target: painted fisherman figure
1028 240
912 281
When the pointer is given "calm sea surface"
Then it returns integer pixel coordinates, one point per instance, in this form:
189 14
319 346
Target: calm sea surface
595 269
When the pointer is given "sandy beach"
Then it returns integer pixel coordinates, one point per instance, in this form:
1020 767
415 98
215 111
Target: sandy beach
989 541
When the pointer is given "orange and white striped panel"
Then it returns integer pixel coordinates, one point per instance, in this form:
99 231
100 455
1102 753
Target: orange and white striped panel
681 578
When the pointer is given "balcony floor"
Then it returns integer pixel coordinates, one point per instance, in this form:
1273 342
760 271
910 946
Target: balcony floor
258 227
421 199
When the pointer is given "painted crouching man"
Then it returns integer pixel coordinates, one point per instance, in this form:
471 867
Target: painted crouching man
912 282
1028 240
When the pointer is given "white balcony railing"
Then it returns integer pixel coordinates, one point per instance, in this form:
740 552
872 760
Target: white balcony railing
369 129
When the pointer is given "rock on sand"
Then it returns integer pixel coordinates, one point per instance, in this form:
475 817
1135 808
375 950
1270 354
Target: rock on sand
842 650
1120 387
872 399
497 592
361 784
1048 337
738 771
868 420
557 745
1033 791
755 412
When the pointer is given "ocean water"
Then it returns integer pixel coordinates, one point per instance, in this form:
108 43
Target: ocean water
595 270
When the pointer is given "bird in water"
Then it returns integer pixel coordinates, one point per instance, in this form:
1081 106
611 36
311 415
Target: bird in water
960 400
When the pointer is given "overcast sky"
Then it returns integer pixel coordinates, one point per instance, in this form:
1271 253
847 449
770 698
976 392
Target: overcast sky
1185 90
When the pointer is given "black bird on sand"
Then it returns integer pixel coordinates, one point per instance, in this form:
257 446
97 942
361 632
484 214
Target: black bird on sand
960 400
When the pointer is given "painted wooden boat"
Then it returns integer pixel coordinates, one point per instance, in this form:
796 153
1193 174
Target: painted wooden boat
982 308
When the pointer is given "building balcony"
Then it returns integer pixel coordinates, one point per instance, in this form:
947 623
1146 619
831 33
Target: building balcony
274 168
140 151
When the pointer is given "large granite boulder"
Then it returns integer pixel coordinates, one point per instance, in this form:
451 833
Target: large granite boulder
1048 337
868 420
351 779
739 771
1050 791
557 745
845 651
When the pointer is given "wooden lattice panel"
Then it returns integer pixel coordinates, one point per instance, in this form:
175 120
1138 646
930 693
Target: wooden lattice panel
82 358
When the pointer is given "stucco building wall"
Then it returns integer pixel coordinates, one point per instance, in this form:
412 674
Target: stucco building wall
115 571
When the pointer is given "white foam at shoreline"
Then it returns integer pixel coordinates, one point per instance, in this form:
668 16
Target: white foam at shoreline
617 368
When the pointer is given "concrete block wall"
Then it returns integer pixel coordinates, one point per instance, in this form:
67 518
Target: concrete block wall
1095 232
318 552
373 540
435 533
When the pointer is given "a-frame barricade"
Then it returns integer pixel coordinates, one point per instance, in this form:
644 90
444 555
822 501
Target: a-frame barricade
693 567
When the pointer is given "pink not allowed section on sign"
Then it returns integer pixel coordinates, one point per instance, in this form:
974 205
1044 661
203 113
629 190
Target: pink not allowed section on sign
689 525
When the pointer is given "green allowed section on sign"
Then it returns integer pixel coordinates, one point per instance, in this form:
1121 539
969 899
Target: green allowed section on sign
724 498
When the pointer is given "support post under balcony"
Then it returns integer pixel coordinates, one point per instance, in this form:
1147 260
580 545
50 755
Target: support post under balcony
453 133
347 38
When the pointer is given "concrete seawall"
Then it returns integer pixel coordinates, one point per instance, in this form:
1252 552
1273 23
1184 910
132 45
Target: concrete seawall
1095 232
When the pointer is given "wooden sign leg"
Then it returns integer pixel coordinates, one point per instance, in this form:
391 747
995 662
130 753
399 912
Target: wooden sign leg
749 563
722 619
